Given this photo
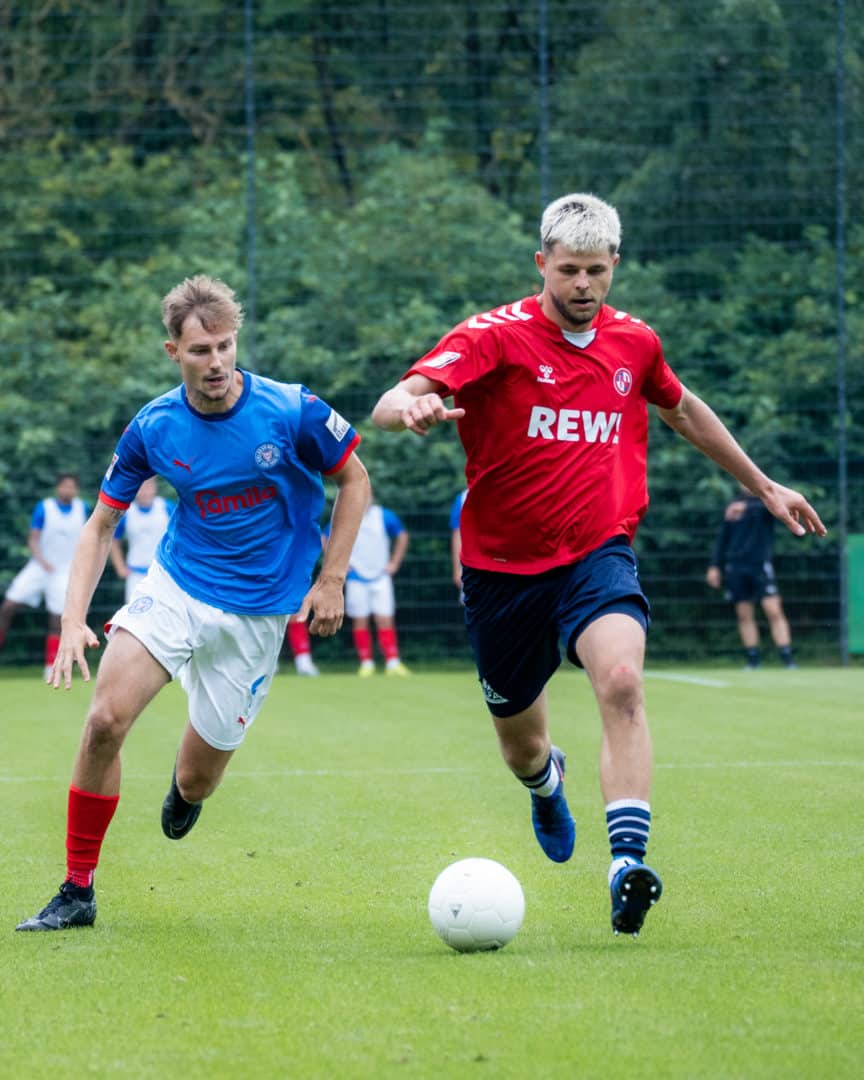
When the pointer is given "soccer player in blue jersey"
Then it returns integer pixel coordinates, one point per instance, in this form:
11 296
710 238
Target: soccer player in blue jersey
245 455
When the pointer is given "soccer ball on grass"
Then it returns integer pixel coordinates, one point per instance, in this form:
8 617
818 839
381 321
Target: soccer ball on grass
476 905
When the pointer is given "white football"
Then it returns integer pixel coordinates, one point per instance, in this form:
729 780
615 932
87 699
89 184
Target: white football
476 905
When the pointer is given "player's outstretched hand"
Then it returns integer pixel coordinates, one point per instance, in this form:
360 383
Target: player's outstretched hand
793 510
326 603
426 411
73 641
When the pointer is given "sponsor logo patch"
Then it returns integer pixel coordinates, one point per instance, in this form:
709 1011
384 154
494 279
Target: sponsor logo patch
142 604
337 425
444 360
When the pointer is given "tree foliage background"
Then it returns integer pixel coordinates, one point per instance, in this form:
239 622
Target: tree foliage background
368 174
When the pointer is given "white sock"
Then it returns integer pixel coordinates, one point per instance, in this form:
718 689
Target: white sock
547 785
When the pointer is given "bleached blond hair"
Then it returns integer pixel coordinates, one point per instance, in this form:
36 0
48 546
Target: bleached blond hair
581 223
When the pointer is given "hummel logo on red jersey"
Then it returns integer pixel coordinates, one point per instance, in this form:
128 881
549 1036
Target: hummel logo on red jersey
546 373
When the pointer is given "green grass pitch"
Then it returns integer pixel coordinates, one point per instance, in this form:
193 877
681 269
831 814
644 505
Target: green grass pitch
287 936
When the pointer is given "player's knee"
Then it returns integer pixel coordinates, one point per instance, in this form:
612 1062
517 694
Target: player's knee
105 728
526 754
621 689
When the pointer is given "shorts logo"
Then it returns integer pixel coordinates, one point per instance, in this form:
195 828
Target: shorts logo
444 360
250 700
142 604
622 380
492 696
337 425
267 455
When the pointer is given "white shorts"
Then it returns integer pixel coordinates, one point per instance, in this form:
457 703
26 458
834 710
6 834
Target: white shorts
364 598
225 662
133 581
35 582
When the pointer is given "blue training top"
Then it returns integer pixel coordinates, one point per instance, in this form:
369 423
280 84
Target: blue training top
245 535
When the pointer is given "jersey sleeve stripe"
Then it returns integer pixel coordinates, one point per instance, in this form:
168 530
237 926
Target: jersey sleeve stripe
355 442
113 503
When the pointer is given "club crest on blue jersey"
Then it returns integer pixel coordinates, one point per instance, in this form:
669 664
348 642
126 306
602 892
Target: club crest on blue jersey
267 455
142 604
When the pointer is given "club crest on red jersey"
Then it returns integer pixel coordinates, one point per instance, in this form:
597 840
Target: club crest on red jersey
622 380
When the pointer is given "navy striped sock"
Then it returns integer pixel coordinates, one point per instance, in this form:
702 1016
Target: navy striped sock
544 782
628 822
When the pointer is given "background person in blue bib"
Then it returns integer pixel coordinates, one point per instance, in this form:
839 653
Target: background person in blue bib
245 455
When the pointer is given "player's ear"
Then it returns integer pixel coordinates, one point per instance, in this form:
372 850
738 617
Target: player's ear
171 349
540 262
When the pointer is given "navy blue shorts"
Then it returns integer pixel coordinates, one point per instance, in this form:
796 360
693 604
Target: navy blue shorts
517 622
749 583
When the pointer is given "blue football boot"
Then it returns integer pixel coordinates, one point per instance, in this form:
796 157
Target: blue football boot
553 823
634 890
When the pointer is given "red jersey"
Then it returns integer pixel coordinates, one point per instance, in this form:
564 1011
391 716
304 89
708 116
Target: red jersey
555 433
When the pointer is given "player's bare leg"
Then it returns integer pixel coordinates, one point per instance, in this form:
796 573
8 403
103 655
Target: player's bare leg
197 773
8 610
612 650
128 679
748 631
779 627
526 748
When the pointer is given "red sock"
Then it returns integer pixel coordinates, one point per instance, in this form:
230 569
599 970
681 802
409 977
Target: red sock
87 822
52 644
363 644
298 638
387 641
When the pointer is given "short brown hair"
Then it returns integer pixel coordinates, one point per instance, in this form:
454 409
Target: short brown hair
209 298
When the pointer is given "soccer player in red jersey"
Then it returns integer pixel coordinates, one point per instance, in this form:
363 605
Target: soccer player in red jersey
550 395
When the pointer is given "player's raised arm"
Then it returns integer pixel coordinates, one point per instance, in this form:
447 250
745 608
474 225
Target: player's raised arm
414 403
701 426
91 555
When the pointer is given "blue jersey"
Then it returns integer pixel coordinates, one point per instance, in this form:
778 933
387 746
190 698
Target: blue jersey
245 535
456 509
